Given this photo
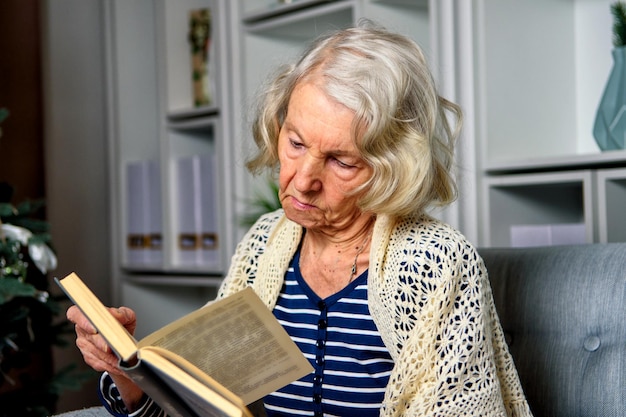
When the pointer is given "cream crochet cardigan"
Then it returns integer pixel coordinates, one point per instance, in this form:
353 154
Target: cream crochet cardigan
431 300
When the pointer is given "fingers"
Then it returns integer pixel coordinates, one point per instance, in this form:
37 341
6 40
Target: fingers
126 317
97 354
80 321
95 350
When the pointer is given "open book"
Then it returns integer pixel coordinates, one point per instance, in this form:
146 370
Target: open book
236 341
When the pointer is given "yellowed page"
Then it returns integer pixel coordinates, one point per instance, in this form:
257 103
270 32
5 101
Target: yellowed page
122 343
200 393
192 370
239 343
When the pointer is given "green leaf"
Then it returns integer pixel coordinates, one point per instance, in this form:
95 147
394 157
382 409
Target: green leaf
7 210
11 288
4 113
34 225
28 207
618 10
40 238
261 203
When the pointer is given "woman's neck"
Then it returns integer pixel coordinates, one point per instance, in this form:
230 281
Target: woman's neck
329 263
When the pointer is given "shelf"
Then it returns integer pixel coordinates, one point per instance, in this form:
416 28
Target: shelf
305 25
558 163
175 53
202 124
611 186
192 113
537 199
541 68
276 9
177 280
423 4
157 126
158 303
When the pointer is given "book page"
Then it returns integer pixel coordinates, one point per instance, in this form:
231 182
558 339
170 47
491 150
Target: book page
239 343
118 338
204 398
192 370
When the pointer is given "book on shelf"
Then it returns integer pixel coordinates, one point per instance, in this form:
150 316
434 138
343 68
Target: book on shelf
212 362
143 199
198 232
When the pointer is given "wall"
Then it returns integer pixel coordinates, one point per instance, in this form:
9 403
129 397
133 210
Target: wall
21 145
76 153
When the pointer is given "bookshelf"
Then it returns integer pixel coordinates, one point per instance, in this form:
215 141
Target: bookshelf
540 68
529 92
157 123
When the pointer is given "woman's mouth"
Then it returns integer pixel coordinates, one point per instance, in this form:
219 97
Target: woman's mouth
301 205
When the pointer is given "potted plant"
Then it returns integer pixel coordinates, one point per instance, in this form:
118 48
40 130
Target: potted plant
265 200
29 386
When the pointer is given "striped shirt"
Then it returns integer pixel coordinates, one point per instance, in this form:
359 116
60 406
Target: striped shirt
339 338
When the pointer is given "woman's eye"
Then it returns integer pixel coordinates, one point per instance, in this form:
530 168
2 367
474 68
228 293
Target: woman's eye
295 144
343 164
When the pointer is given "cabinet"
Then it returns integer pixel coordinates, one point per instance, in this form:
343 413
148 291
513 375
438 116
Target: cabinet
539 69
166 252
541 66
611 186
155 121
532 204
528 75
586 192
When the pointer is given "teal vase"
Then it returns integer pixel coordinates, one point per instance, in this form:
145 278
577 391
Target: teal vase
609 128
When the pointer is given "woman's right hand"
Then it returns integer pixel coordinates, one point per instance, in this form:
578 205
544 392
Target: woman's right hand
95 350
98 355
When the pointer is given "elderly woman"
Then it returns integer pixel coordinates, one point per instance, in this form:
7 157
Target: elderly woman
392 307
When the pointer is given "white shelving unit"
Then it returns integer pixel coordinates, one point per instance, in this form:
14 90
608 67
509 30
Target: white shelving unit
155 119
540 69
272 34
611 185
537 199
528 74
572 190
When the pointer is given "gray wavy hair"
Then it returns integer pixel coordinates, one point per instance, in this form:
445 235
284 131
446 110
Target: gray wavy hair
401 125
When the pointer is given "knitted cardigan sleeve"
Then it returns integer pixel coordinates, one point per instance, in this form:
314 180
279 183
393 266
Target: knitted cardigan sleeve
431 300
262 257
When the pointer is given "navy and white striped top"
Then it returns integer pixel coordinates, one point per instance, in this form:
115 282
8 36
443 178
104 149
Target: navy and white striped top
339 337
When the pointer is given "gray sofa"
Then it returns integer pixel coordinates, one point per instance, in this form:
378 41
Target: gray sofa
563 310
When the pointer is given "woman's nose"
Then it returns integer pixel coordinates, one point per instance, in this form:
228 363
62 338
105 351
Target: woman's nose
309 175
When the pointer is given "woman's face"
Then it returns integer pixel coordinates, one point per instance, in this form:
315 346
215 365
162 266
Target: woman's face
319 164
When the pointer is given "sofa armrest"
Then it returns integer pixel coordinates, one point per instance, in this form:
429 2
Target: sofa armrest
563 311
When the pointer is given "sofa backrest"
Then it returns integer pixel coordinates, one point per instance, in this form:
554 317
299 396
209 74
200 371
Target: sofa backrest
563 310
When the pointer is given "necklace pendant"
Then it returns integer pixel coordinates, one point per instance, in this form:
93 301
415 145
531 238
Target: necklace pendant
353 269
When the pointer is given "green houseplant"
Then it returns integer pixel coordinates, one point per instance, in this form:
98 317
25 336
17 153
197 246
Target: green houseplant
29 386
618 10
264 200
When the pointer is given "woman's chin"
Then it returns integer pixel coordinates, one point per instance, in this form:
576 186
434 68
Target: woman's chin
304 218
